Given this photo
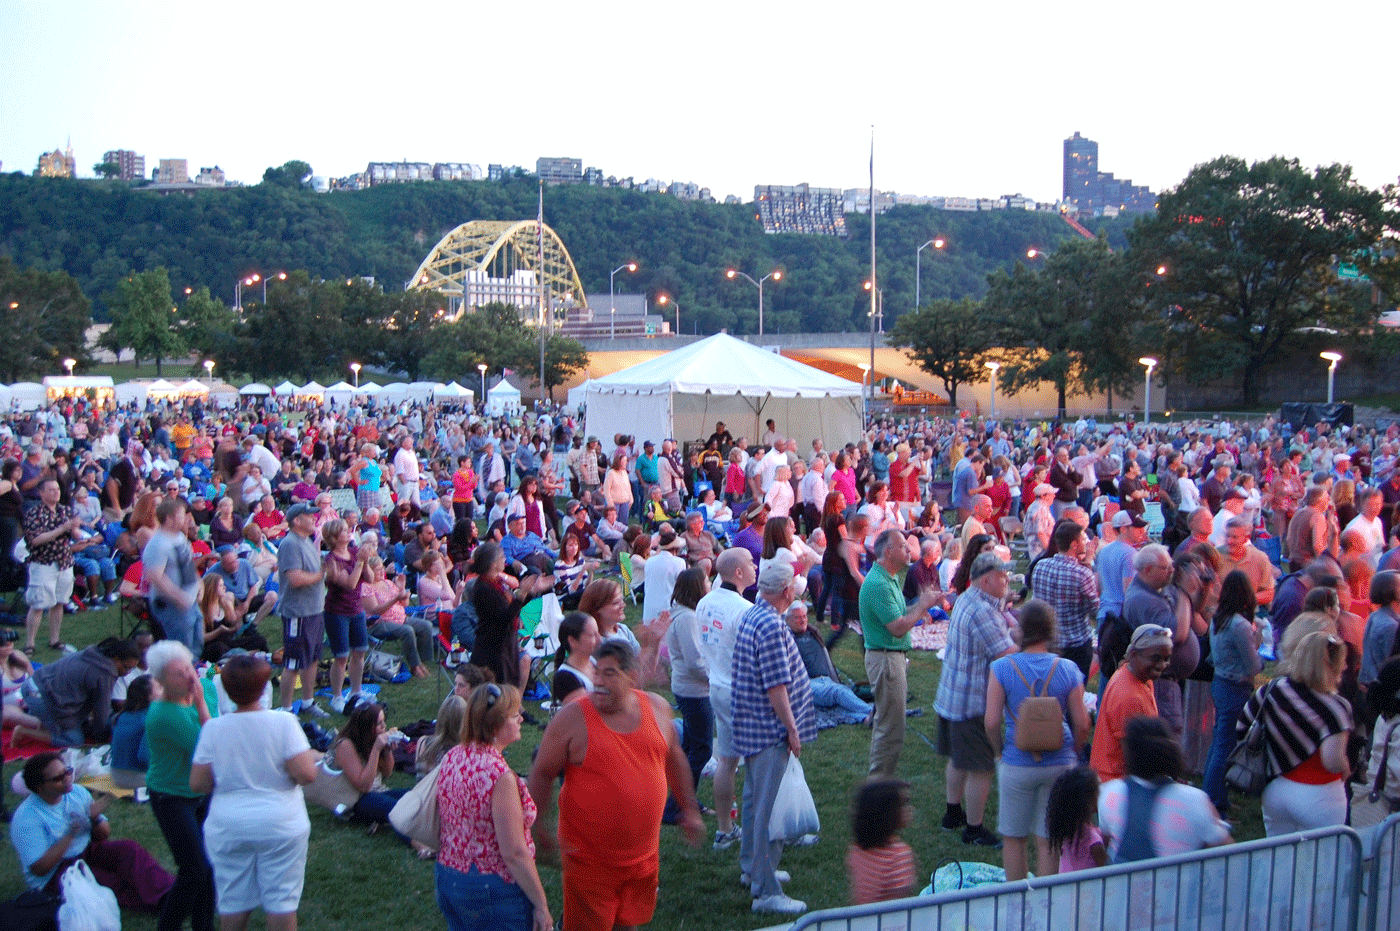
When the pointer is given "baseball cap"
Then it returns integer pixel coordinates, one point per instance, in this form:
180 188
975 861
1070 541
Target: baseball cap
299 509
988 562
1124 519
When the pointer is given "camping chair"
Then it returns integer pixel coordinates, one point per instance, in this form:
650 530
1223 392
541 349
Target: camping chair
1014 532
539 634
624 565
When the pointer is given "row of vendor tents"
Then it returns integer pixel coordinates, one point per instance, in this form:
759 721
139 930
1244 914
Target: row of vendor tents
502 397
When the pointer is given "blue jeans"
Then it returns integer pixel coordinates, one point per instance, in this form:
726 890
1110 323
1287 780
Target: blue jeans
182 624
827 693
476 901
34 701
1229 698
181 821
697 738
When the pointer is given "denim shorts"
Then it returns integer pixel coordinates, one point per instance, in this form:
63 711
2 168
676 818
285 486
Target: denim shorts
346 632
475 900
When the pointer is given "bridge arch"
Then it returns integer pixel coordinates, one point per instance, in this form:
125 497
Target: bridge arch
498 249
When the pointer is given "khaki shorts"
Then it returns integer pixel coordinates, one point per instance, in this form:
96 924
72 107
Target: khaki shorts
48 586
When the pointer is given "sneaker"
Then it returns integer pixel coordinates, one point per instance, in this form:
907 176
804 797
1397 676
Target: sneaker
113 598
778 905
781 875
807 840
315 710
981 837
954 822
726 839
338 704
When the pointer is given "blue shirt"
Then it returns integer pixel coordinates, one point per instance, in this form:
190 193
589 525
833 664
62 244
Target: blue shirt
1115 566
766 655
964 480
129 750
518 548
37 826
1377 643
1035 667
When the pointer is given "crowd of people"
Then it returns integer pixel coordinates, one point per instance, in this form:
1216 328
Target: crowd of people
433 529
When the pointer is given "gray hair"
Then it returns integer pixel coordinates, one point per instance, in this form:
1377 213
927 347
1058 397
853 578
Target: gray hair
162 653
619 650
887 539
1149 555
775 578
1238 523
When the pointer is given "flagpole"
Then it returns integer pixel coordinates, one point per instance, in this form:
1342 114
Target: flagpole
543 287
874 284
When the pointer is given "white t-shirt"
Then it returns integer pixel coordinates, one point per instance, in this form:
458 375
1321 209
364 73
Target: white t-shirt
660 578
718 614
254 796
1183 819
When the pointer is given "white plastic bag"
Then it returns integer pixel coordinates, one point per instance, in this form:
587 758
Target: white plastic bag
794 811
87 905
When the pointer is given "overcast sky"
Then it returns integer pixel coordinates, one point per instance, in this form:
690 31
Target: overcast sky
966 99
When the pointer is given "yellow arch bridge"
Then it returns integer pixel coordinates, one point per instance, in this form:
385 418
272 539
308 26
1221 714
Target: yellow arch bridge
498 261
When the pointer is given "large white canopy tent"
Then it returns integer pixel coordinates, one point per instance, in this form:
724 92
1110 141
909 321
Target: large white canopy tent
502 398
683 393
28 395
340 394
255 388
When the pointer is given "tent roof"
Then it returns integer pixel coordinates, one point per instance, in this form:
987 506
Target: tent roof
286 388
194 387
503 387
78 381
721 364
368 387
311 387
255 388
341 386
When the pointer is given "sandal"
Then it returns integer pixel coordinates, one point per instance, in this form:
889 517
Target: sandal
59 646
29 651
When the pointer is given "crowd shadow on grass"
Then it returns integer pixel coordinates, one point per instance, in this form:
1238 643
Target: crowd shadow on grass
356 880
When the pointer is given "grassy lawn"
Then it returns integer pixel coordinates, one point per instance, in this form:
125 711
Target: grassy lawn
349 873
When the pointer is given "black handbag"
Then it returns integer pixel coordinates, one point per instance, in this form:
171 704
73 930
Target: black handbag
1248 768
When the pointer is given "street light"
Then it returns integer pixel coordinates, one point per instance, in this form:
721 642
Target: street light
937 243
666 299
776 274
612 300
1151 364
1034 253
1333 358
209 370
355 367
280 276
993 366
481 367
68 364
864 370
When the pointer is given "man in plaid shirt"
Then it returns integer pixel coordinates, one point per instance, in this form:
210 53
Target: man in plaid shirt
1069 586
977 634
48 533
773 718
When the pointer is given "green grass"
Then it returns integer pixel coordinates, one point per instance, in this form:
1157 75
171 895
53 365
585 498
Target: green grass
355 880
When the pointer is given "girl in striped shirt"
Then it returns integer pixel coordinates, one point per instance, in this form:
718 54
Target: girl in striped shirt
879 863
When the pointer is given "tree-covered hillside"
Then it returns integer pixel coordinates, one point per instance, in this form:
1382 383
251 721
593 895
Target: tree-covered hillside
98 232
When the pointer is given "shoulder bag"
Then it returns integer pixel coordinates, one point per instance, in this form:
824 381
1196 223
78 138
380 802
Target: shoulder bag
331 789
1040 719
1248 768
416 814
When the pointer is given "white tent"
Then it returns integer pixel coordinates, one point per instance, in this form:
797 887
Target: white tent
286 389
453 392
421 392
28 395
5 397
59 386
312 389
223 395
502 398
162 390
255 388
394 392
578 394
682 393
368 387
340 394
193 389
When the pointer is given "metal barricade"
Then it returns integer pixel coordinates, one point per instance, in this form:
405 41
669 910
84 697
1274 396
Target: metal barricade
1380 896
1292 883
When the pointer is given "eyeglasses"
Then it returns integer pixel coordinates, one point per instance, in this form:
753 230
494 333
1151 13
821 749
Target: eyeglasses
67 771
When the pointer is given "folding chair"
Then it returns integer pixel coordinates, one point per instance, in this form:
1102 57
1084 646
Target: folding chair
1014 532
624 565
539 634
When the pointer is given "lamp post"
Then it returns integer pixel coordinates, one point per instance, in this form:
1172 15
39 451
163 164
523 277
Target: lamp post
481 367
612 299
238 291
937 243
68 364
1151 364
866 370
209 370
776 274
280 276
355 367
1332 358
879 306
1034 253
667 299
994 366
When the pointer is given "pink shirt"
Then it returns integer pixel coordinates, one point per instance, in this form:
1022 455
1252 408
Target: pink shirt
466 778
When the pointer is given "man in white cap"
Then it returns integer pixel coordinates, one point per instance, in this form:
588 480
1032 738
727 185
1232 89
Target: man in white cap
1114 564
1129 694
977 634
773 717
1040 520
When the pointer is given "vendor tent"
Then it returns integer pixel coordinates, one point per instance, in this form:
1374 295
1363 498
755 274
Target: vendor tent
368 387
312 389
421 392
223 395
27 395
577 395
65 386
502 398
5 397
453 393
255 388
393 393
193 389
683 393
285 390
340 394
162 390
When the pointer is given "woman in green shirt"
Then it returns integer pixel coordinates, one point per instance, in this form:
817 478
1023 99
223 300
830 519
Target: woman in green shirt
172 730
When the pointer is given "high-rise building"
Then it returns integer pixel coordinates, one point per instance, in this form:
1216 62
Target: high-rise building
173 171
130 166
559 170
1091 191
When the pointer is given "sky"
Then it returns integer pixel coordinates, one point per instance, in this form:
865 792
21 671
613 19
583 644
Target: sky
970 100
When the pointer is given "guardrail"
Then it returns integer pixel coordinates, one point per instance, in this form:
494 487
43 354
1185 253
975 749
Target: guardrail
1296 882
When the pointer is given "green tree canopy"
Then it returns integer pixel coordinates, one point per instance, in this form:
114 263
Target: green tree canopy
206 324
1250 253
46 319
143 318
107 169
951 340
293 174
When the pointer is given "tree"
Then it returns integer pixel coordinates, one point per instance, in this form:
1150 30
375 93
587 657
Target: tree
293 174
495 335
143 318
107 169
1250 253
948 339
409 331
46 319
206 323
1072 323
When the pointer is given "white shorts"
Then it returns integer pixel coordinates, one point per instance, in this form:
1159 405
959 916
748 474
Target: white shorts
267 872
722 705
1024 797
48 586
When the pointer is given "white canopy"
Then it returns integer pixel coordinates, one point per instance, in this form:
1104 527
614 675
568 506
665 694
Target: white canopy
421 391
223 395
394 392
340 393
5 396
193 388
453 391
28 395
286 389
162 390
502 397
311 389
683 393
578 394
255 388
368 387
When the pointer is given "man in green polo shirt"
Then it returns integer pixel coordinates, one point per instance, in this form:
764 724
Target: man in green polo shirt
886 620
